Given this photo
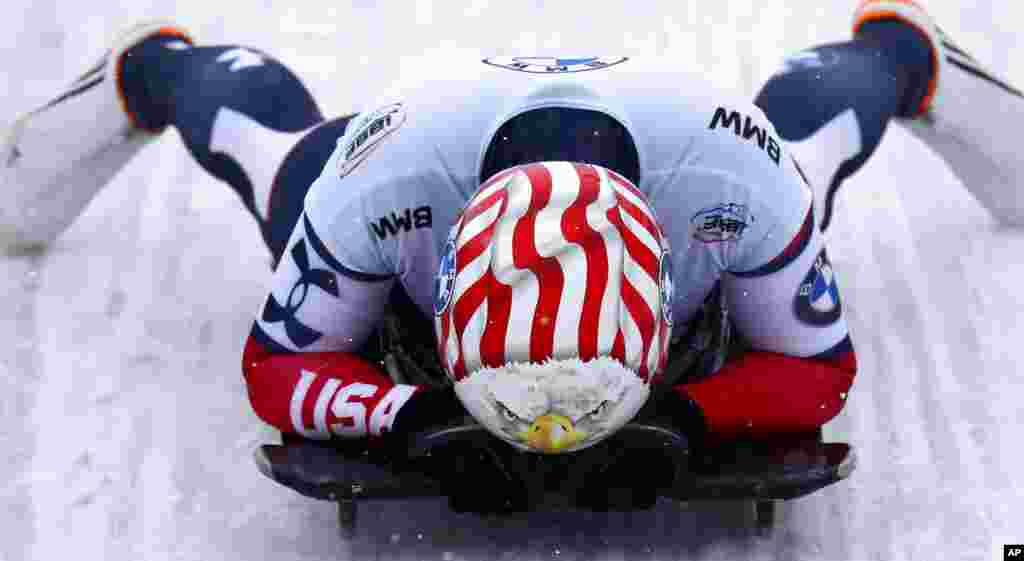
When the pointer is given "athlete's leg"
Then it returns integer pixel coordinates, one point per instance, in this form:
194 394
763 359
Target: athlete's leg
238 110
855 93
898 67
245 118
296 174
55 158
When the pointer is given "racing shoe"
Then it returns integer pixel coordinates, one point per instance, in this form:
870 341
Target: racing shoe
960 109
54 159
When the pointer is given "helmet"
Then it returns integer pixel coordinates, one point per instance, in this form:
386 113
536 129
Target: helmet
562 133
552 308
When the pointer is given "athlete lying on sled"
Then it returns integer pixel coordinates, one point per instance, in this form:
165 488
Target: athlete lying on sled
561 224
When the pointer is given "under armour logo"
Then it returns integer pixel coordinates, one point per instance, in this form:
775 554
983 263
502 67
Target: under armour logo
300 334
240 58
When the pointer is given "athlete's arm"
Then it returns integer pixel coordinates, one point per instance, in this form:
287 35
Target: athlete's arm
780 290
327 295
802 364
299 361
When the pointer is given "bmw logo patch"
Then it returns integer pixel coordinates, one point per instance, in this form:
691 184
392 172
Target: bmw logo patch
554 65
444 283
817 302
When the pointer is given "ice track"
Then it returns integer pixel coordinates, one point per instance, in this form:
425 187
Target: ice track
125 433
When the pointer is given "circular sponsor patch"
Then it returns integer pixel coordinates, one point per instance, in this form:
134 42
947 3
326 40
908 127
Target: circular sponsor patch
554 65
444 283
667 286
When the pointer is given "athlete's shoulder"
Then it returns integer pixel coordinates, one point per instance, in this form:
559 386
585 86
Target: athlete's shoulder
394 177
722 156
738 139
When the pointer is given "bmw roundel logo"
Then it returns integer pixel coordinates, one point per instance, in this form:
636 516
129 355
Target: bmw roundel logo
554 65
817 302
667 286
444 283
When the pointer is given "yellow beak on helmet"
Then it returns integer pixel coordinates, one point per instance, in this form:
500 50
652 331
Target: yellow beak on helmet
551 434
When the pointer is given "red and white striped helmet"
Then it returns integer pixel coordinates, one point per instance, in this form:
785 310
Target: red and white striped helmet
553 304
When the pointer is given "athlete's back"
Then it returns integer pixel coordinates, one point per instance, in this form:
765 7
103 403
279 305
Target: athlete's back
705 159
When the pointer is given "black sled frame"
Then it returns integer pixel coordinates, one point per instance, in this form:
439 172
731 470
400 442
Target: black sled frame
629 471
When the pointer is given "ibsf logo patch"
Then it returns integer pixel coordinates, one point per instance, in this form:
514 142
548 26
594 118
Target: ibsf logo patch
444 283
667 286
817 302
371 131
554 65
718 224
